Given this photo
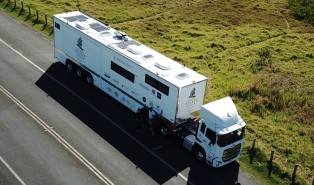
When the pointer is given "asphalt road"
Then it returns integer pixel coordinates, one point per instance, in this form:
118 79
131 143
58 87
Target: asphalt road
56 129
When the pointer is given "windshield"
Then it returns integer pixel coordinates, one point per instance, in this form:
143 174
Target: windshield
226 139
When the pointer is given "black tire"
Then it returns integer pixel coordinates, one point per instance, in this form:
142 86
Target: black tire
200 154
70 65
89 79
79 72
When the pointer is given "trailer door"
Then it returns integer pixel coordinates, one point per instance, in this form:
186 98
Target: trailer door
58 34
191 98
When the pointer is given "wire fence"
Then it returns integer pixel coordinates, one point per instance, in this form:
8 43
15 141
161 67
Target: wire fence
30 13
259 158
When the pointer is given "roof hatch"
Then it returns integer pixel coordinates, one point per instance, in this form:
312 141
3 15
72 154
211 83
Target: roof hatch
182 76
148 57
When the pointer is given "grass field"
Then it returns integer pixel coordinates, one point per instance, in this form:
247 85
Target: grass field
253 51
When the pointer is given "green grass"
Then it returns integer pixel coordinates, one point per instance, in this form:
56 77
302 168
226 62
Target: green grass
253 51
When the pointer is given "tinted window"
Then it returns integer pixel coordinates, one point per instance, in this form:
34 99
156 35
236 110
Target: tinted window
123 72
203 128
211 135
157 85
226 139
57 25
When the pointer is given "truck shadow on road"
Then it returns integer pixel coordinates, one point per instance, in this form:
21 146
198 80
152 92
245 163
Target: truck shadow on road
159 157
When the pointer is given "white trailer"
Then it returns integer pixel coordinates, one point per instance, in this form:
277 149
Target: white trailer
140 77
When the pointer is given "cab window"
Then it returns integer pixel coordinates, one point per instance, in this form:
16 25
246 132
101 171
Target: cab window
211 135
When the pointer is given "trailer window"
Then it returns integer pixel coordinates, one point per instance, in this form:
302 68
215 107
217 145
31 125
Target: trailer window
156 84
57 25
123 72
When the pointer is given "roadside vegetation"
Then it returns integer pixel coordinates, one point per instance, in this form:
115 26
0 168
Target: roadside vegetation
303 10
254 51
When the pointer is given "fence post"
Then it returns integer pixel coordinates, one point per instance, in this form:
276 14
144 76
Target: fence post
294 173
52 28
252 152
78 5
6 5
14 5
270 167
29 12
37 17
45 23
22 8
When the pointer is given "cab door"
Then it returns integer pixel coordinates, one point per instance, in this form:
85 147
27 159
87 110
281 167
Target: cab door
207 140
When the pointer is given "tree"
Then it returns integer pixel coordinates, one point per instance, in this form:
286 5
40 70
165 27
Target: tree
302 10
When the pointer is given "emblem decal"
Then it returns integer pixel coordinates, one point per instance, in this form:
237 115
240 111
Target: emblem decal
192 93
80 43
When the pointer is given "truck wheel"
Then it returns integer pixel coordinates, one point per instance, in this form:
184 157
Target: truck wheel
200 154
89 79
70 66
79 72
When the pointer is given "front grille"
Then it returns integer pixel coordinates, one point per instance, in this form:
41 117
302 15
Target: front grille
231 153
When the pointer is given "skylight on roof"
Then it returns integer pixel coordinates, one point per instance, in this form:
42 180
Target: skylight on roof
182 76
148 57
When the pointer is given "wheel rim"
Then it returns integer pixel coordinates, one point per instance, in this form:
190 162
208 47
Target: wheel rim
89 79
200 155
70 66
164 130
79 73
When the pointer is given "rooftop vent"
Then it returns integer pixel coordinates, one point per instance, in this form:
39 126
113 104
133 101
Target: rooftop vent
82 25
137 50
162 66
182 76
148 57
105 33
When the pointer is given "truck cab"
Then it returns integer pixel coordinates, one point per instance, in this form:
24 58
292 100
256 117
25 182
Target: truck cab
220 133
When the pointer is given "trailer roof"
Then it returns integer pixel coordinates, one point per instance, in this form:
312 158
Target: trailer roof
153 61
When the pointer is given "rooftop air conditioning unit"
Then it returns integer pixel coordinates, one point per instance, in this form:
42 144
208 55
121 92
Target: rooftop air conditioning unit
137 50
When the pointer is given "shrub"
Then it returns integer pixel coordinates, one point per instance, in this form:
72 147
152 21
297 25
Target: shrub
303 10
263 61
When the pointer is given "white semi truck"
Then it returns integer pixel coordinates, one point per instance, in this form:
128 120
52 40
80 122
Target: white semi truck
140 77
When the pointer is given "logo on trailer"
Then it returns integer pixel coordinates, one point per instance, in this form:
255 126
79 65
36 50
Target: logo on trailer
79 50
192 93
80 43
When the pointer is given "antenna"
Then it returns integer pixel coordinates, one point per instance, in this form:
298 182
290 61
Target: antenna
78 4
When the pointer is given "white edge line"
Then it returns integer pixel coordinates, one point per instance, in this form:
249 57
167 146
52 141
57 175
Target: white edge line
54 134
12 171
79 156
99 112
